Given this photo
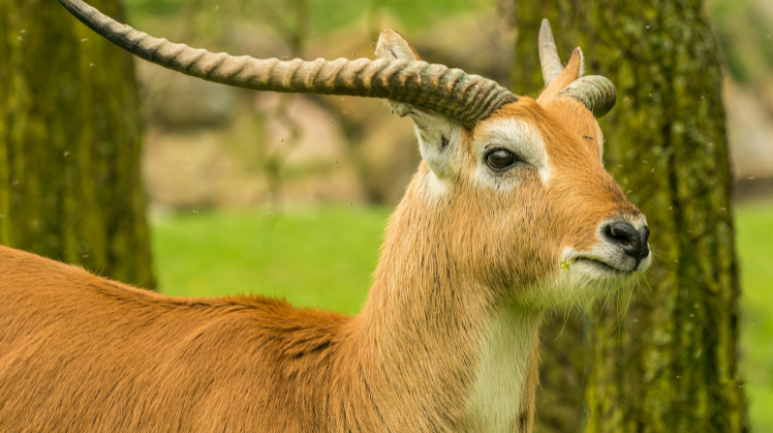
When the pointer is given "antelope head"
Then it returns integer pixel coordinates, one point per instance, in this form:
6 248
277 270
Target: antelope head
521 194
515 187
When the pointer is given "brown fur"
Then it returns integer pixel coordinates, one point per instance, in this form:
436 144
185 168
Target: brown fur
84 354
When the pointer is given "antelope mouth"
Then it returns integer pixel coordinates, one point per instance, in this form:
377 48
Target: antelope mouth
601 266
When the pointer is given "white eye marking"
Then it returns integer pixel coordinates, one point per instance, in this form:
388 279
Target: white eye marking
517 136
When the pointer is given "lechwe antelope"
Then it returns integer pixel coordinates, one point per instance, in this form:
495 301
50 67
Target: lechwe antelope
509 191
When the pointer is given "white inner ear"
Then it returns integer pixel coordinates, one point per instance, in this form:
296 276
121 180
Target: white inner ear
392 46
439 140
582 64
395 51
439 137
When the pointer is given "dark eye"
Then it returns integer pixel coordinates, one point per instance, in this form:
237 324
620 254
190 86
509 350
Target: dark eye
501 159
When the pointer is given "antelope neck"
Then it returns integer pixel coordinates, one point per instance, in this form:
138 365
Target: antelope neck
435 341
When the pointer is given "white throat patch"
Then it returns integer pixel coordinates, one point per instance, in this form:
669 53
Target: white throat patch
497 395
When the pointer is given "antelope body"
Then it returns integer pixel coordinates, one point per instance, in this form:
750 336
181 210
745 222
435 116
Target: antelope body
509 192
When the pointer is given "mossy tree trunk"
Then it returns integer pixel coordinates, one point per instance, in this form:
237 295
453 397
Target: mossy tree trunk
70 136
669 364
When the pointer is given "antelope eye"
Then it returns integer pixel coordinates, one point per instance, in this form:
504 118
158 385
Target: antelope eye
501 159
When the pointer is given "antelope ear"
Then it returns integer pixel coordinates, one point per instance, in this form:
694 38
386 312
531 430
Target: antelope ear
438 136
572 71
393 46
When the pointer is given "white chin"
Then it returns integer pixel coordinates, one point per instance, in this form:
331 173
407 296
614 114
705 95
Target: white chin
594 269
578 286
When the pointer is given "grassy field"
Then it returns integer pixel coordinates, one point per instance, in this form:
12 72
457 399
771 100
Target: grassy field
324 257
321 257
754 224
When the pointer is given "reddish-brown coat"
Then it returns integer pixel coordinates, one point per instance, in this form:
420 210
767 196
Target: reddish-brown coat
82 353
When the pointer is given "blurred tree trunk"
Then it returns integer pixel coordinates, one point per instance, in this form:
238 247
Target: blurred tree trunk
70 136
670 364
503 38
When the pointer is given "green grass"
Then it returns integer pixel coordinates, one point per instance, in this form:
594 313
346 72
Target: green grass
754 225
324 257
324 15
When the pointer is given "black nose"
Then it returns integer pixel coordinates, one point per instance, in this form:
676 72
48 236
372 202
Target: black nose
633 243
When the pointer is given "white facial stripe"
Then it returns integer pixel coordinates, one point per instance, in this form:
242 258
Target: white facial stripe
517 136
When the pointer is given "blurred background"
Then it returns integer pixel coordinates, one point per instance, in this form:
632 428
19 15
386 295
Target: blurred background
288 195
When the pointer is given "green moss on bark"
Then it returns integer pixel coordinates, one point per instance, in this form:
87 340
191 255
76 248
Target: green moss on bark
671 363
70 139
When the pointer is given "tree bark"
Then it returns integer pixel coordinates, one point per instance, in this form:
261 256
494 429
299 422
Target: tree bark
669 361
70 139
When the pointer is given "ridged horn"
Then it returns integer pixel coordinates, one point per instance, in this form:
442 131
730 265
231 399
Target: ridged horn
594 91
464 98
549 60
597 93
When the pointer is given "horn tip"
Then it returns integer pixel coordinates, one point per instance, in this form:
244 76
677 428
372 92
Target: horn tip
546 32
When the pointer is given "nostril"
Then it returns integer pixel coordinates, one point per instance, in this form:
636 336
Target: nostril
621 233
633 242
644 249
645 234
624 236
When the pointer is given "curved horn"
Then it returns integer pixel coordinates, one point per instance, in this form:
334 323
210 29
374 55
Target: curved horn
597 93
548 54
450 92
594 91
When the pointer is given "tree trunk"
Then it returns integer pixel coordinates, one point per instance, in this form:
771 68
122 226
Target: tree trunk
670 361
70 136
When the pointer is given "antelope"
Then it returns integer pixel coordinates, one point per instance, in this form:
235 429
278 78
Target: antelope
510 214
